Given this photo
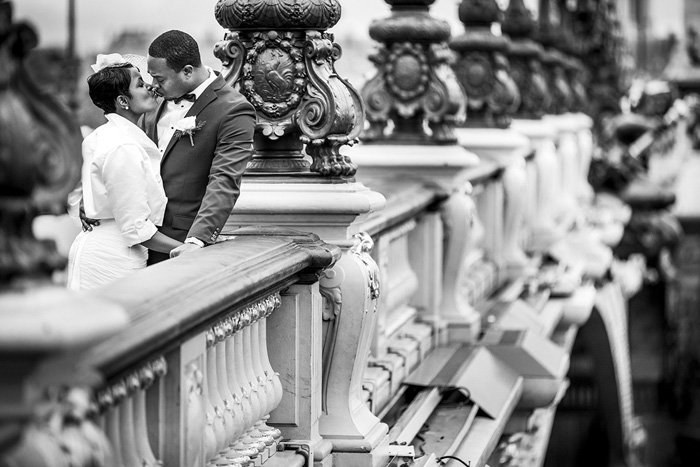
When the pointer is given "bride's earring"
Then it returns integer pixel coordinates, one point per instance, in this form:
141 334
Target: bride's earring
124 104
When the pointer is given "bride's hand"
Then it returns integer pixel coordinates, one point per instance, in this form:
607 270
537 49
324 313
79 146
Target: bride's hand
183 249
86 221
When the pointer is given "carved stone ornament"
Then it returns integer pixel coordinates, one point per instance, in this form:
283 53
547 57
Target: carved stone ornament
525 61
482 67
329 287
39 157
363 250
279 56
414 82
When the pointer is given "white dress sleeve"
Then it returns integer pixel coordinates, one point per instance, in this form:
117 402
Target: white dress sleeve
125 181
75 197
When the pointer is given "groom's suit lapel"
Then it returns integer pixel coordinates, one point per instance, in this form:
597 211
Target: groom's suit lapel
153 129
208 96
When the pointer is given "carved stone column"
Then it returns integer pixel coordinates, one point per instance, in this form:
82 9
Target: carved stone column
280 55
45 414
416 89
483 70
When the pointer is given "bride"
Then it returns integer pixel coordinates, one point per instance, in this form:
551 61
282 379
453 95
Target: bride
121 184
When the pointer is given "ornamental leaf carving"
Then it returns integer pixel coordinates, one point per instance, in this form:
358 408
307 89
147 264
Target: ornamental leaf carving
277 14
329 287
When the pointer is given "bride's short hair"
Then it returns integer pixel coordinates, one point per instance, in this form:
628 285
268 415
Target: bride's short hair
109 83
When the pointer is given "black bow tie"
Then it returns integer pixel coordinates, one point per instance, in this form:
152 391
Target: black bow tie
187 97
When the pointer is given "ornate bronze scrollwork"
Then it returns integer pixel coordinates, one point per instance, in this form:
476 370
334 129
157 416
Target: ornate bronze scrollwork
482 67
414 83
279 56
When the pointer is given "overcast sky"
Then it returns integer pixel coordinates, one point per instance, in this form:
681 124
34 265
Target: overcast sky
100 20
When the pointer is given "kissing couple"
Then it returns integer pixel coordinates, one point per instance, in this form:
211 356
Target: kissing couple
161 176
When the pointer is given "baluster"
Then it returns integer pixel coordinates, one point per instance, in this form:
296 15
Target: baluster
514 184
126 422
257 395
259 381
273 378
267 398
147 376
110 423
117 393
231 454
245 445
548 186
214 431
223 428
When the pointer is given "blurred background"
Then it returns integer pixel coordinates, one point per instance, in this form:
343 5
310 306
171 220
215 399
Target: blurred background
84 28
73 32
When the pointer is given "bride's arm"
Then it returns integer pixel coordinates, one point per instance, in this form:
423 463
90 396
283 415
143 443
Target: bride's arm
125 182
161 243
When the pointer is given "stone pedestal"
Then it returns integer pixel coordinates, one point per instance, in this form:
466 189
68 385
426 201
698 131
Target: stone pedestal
445 169
543 223
568 153
333 209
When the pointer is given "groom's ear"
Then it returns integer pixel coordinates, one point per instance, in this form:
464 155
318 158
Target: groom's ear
188 70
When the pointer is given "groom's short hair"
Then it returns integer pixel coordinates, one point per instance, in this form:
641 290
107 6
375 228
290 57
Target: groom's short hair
178 48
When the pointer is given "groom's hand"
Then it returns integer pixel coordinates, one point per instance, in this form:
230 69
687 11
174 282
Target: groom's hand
87 222
184 249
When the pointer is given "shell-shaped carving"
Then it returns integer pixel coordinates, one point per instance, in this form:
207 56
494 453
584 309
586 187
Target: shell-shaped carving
277 14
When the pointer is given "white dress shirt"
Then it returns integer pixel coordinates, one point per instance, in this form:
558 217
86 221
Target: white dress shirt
173 113
121 179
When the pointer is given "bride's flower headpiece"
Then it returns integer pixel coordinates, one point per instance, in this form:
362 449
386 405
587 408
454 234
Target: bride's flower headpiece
109 60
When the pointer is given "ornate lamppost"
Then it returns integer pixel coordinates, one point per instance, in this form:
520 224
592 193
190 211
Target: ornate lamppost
525 60
414 83
482 67
281 57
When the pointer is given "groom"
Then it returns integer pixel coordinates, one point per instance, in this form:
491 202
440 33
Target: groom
203 157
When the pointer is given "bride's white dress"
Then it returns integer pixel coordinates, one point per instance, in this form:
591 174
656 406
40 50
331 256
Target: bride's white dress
121 186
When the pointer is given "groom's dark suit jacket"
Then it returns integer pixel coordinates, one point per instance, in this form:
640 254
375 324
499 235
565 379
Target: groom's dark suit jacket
202 182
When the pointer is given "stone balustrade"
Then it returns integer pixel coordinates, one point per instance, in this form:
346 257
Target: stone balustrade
364 295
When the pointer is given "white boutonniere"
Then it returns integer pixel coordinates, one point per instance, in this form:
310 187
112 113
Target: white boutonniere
188 126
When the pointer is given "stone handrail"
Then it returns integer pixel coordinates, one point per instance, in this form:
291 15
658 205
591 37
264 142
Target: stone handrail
189 378
167 303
